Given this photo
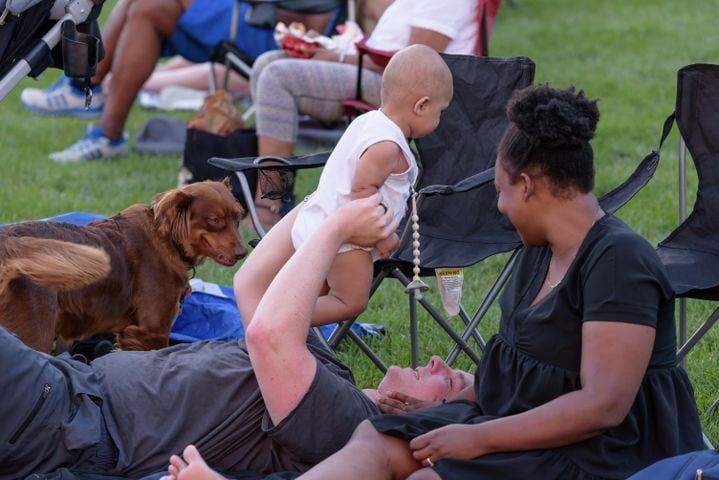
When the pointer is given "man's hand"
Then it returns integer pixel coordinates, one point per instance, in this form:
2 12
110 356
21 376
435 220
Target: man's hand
388 245
364 222
398 402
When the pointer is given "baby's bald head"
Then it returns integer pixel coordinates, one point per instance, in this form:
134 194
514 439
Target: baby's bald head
413 72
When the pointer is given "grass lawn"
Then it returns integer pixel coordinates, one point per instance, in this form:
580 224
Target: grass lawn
625 53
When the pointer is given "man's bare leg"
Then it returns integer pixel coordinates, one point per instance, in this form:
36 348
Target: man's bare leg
145 26
368 454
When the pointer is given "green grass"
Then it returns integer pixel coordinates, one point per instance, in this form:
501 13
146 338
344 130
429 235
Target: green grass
624 53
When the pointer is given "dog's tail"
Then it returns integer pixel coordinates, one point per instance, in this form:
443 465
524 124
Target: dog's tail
52 263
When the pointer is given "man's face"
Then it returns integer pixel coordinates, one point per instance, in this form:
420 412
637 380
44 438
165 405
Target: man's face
434 382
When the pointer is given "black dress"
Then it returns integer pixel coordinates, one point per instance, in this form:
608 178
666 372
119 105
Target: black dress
615 276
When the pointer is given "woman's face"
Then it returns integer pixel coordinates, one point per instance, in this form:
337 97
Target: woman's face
513 202
509 195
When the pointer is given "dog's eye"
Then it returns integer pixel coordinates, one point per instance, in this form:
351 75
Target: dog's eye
214 221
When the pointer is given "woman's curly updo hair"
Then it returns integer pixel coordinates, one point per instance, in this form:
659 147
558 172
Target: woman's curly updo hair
548 133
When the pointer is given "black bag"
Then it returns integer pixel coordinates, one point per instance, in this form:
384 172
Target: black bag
201 145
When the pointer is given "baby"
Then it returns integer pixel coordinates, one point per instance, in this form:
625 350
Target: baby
372 156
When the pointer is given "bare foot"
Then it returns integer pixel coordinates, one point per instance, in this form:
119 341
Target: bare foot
191 466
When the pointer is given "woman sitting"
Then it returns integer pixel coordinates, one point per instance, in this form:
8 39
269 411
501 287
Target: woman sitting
581 381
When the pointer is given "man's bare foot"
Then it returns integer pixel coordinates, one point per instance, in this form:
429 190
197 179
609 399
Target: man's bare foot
191 466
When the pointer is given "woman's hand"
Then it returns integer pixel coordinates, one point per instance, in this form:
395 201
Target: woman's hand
398 402
364 222
321 53
453 441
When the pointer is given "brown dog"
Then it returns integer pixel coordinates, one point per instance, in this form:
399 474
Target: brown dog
151 248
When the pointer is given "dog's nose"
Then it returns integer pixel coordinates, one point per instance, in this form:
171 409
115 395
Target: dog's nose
240 251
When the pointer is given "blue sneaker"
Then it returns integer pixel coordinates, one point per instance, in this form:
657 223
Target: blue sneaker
92 146
63 98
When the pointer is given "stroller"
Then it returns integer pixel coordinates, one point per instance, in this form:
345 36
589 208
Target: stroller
38 34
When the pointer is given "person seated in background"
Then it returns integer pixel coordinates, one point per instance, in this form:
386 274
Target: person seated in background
180 72
581 382
136 35
283 88
255 405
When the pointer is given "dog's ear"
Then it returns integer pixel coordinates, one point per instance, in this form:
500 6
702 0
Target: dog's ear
227 182
172 214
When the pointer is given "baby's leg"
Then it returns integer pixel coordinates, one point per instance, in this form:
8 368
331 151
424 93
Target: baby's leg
349 279
259 269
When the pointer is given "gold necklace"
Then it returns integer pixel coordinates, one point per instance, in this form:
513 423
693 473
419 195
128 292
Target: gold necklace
552 286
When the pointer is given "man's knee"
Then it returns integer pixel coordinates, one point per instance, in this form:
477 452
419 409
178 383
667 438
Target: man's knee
164 14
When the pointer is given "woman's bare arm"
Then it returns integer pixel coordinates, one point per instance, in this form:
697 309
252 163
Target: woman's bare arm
615 356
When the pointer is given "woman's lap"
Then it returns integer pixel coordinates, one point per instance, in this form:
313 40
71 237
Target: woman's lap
283 88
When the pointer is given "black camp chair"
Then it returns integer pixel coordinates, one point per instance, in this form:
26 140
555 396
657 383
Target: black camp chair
39 34
464 144
691 252
459 222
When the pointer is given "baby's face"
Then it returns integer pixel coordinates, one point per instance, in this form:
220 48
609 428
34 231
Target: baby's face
432 111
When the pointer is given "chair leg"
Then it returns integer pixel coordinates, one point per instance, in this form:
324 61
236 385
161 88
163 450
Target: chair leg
700 332
367 350
397 273
486 303
413 327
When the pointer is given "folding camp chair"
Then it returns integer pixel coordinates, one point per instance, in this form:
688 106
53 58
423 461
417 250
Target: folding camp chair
37 34
475 120
486 15
691 252
263 14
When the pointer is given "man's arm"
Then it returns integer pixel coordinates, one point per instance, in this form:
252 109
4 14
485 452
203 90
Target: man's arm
276 337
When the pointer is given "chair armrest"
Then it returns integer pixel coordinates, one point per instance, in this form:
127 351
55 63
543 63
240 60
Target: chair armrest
260 163
469 183
265 163
379 57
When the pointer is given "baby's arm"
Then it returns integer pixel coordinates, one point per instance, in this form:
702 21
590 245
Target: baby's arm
374 166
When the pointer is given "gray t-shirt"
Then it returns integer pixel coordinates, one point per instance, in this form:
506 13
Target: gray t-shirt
221 411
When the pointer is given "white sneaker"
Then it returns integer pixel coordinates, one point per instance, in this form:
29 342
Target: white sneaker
92 146
62 98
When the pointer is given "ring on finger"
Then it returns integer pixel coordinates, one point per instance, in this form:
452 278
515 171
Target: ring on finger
429 461
384 207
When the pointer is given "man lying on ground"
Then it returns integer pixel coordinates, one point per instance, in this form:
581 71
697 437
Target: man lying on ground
275 402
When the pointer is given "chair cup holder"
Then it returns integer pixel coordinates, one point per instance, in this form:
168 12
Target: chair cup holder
80 52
